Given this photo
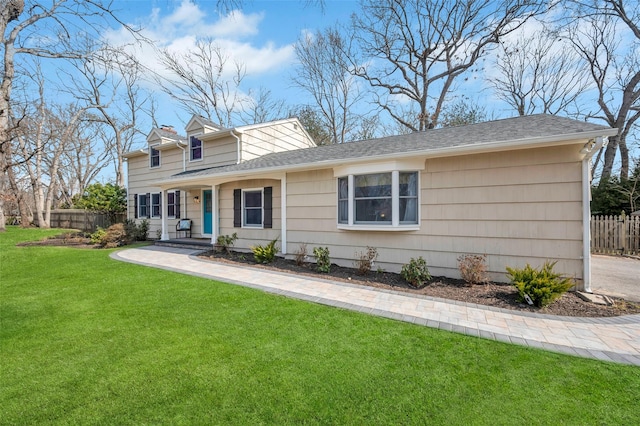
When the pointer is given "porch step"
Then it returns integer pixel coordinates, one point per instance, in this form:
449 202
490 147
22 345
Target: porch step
186 243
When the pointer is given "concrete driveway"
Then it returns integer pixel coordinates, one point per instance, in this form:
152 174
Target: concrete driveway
616 276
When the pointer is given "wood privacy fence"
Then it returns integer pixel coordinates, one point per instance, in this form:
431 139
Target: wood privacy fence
83 220
615 234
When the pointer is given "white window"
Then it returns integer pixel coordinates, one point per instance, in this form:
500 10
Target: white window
195 149
252 208
143 205
154 157
387 199
155 204
173 204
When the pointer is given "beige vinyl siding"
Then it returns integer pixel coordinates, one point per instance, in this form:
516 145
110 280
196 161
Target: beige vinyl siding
280 137
248 237
143 179
219 152
516 207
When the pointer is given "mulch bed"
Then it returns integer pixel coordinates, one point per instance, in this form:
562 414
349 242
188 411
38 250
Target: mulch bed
491 294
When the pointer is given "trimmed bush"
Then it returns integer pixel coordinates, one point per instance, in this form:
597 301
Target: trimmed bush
96 237
301 255
265 254
115 236
323 261
416 272
225 242
473 268
364 260
542 286
135 231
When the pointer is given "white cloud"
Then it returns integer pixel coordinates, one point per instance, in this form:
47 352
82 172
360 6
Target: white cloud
179 29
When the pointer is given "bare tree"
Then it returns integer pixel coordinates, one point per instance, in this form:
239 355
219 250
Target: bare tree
324 74
539 74
111 83
42 29
203 81
418 48
262 107
595 31
462 112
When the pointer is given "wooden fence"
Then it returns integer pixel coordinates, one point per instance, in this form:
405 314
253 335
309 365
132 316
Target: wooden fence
615 234
83 220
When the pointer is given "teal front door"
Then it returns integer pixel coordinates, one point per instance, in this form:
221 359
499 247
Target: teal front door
207 212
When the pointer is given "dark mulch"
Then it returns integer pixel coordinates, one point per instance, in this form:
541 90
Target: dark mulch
70 239
490 294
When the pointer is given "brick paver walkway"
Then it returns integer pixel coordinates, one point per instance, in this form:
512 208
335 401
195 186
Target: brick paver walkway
614 339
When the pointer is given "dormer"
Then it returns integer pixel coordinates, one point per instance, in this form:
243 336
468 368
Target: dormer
195 128
158 140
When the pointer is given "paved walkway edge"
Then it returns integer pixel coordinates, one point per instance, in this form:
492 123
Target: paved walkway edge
614 339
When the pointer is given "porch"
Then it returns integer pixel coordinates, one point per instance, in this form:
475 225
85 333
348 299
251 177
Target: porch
189 243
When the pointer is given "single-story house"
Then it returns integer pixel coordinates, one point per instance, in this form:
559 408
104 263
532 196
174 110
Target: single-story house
516 190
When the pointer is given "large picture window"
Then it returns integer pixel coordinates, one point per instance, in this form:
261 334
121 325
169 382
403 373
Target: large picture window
378 199
195 149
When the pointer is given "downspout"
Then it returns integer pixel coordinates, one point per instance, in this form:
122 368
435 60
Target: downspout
239 155
589 150
184 155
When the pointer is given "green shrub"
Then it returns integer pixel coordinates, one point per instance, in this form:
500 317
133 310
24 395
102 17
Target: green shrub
323 261
364 260
416 272
473 268
542 285
226 242
135 231
265 254
97 236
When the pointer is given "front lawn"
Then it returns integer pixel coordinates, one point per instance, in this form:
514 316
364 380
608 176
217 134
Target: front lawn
85 339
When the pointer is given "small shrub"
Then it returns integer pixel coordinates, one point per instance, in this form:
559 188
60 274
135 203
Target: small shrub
97 236
226 241
114 236
301 255
265 254
323 261
135 231
416 272
365 260
542 285
473 268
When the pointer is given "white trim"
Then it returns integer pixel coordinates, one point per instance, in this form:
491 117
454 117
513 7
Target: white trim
367 228
215 214
165 225
151 149
410 164
243 191
191 160
538 142
283 214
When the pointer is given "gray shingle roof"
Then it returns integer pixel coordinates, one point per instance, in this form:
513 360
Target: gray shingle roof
170 135
474 135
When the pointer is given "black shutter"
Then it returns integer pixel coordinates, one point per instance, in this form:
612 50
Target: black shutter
176 200
268 207
160 203
135 206
237 208
148 203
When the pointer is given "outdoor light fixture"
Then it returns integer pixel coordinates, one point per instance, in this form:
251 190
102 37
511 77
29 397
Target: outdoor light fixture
196 199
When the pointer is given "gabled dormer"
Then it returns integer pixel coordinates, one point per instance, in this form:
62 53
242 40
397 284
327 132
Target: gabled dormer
160 139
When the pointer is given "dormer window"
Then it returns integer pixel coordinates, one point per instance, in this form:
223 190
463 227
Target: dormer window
195 149
154 157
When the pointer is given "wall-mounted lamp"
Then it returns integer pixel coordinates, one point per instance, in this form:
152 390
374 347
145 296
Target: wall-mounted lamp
196 199
586 149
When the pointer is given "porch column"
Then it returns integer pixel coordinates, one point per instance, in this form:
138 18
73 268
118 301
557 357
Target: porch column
163 215
283 213
215 214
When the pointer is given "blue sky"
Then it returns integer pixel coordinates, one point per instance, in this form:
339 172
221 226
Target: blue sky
261 36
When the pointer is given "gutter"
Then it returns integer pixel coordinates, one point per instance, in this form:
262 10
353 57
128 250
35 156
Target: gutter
589 149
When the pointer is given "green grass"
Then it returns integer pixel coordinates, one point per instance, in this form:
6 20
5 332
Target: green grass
85 339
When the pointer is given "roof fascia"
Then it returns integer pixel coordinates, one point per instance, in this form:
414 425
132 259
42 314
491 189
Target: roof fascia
537 142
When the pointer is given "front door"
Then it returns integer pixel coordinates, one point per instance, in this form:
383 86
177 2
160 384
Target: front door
207 212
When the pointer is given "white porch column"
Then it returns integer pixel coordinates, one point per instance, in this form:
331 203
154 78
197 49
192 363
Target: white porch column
163 215
215 214
283 214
